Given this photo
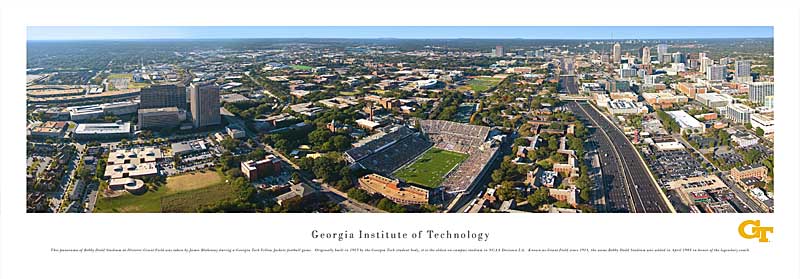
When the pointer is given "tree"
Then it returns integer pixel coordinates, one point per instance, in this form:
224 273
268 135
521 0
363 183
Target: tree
257 154
507 191
521 142
539 197
358 194
341 142
760 132
389 206
319 137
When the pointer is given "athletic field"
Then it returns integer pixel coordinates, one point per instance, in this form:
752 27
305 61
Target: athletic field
429 169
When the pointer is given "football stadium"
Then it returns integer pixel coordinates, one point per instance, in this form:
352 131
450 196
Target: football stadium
447 156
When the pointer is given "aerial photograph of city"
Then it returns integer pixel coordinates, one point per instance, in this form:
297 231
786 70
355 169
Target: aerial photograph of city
400 119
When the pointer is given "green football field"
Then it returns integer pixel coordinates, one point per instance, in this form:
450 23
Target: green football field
430 168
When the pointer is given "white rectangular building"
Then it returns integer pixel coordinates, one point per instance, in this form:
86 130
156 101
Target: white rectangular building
688 123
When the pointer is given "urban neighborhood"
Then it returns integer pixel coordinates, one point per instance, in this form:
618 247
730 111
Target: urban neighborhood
401 126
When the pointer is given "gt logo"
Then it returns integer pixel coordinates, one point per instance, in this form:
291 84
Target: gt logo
757 230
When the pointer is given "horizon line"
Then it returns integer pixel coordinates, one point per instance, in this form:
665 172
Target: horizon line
388 38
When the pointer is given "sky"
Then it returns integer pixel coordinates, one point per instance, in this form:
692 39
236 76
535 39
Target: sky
36 33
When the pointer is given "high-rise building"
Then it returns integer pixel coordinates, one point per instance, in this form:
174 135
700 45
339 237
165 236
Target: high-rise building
161 96
742 68
617 52
665 59
158 118
705 62
662 50
715 72
678 57
204 104
645 55
499 52
738 113
759 91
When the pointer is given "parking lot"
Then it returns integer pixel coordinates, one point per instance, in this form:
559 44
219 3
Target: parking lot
672 165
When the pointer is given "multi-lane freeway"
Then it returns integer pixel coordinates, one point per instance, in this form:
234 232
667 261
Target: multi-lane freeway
568 84
628 185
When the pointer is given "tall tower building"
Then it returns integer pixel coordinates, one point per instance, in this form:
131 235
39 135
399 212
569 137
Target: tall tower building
161 96
662 49
645 55
716 73
705 62
759 91
742 68
499 52
617 52
204 104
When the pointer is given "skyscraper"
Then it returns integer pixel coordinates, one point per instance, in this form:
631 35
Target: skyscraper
742 68
645 55
617 52
678 57
662 49
759 91
161 96
705 62
204 104
498 51
715 73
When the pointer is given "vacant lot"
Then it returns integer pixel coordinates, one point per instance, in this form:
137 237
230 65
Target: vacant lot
429 170
183 193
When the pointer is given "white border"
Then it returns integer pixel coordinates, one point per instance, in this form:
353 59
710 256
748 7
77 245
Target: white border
25 239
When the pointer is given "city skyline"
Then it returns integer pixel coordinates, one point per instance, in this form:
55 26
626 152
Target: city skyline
77 33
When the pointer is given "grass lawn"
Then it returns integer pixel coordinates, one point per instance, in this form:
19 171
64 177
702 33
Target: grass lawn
430 168
138 84
301 67
482 84
114 76
177 188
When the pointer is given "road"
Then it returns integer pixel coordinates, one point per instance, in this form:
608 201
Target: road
629 185
598 194
568 84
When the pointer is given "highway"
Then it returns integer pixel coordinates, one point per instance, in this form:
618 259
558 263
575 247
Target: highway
629 186
568 84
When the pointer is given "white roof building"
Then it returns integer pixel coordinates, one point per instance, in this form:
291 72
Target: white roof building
687 122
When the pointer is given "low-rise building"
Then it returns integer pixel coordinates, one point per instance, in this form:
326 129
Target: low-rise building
744 139
664 99
756 171
687 123
626 107
394 190
49 129
714 100
255 170
569 195
91 131
300 190
765 121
